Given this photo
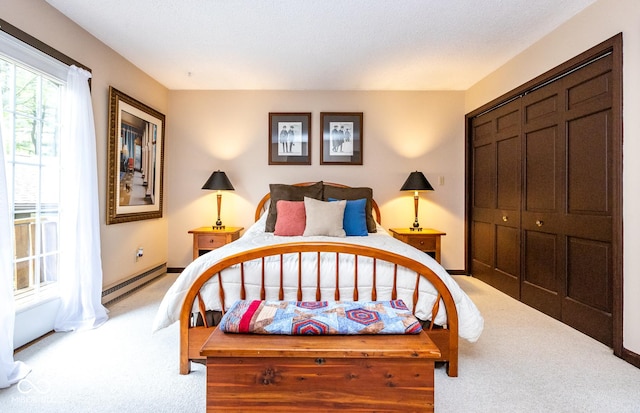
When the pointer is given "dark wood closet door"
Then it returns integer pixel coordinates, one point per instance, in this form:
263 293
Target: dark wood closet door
495 226
567 207
544 199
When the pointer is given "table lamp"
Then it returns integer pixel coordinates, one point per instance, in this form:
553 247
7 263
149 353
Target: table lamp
218 181
416 182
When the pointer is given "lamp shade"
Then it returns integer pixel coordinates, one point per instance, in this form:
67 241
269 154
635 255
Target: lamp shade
218 181
416 182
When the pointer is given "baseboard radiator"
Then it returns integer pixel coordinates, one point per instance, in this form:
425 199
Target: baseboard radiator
124 288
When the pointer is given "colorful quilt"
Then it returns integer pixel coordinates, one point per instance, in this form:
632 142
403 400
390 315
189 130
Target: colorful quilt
319 318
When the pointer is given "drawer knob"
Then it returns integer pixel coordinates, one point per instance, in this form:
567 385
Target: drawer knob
210 241
421 242
539 223
505 218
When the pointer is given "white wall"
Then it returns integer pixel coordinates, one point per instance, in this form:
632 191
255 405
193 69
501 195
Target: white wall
597 23
228 130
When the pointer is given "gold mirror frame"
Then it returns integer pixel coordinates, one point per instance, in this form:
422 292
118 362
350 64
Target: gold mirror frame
135 160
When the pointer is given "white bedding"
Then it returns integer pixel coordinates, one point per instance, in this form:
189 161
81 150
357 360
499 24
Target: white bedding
470 321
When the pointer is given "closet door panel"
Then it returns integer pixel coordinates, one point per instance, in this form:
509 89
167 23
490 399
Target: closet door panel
586 260
588 302
588 165
509 165
589 192
591 88
545 106
508 174
496 198
508 257
588 223
482 254
540 278
484 177
543 195
541 166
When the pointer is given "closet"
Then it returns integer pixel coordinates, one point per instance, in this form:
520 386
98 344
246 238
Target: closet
544 193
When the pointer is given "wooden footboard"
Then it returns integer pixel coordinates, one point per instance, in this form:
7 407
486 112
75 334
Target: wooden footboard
445 337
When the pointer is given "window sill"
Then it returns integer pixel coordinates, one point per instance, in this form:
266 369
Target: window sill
32 300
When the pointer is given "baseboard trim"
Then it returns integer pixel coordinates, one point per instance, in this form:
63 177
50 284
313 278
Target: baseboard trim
631 357
457 272
124 288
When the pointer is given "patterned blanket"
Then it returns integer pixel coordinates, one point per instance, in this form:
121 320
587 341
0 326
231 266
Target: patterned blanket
319 317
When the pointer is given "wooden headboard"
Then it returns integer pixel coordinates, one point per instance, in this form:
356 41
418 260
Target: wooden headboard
263 204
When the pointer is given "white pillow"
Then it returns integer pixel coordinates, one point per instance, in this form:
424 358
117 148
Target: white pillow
324 218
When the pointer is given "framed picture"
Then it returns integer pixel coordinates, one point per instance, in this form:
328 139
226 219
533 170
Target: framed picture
290 138
135 158
341 142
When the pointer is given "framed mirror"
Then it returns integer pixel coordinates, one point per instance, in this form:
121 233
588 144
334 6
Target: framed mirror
135 158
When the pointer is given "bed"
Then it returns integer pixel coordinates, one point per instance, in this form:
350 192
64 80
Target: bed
265 265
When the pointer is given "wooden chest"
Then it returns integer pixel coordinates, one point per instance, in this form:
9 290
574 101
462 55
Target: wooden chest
382 373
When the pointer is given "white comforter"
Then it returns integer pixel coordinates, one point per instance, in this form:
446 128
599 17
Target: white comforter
470 321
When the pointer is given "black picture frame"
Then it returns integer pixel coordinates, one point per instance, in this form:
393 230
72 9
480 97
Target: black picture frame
295 149
342 138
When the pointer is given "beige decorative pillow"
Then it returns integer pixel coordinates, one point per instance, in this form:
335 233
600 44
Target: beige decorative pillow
324 218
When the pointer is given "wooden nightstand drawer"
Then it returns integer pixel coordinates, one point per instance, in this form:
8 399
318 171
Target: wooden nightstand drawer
206 239
211 241
422 243
424 239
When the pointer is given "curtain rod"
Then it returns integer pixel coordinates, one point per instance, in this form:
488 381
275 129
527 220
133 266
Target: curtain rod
43 47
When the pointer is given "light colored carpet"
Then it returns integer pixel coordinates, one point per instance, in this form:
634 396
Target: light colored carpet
118 367
528 362
523 362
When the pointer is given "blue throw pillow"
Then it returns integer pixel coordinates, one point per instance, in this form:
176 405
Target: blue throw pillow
355 218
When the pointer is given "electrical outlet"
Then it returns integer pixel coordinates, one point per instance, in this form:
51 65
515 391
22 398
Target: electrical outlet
139 253
441 180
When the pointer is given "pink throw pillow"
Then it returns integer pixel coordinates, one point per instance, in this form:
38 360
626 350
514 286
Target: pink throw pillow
291 219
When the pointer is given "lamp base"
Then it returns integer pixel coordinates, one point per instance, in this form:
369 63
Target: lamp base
217 226
415 229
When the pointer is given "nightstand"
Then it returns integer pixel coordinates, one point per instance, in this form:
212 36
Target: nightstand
206 238
427 239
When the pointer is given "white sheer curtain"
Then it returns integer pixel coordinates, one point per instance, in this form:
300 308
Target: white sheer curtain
10 371
80 277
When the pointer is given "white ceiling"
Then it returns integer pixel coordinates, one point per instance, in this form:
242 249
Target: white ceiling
319 44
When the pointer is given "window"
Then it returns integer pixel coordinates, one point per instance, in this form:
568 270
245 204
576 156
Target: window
31 91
